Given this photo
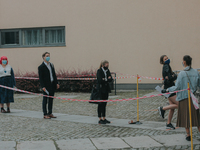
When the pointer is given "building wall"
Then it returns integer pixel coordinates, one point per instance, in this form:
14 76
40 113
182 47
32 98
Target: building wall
131 34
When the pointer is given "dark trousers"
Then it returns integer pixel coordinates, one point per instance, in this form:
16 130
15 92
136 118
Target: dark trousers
101 109
48 101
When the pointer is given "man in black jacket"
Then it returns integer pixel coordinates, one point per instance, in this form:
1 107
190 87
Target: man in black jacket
49 83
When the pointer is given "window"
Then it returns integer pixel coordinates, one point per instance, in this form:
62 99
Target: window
54 36
10 38
32 37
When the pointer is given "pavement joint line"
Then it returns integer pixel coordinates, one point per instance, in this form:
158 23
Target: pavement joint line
93 143
156 141
126 142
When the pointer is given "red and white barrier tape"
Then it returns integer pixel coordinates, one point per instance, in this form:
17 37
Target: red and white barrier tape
116 100
139 77
150 78
32 78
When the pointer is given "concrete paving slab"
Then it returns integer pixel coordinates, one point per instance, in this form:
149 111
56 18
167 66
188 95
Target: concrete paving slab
32 114
141 142
36 145
175 139
93 120
88 120
109 143
7 145
72 118
76 144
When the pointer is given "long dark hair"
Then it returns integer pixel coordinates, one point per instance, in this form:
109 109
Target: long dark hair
161 59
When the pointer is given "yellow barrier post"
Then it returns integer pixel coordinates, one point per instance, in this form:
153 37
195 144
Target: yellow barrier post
137 100
190 114
138 122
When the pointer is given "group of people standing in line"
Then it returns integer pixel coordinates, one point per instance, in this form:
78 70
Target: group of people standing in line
49 83
180 100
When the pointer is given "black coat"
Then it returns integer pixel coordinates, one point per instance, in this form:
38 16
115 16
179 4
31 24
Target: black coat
167 71
102 85
44 77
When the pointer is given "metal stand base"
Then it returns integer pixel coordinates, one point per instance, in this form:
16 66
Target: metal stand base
137 122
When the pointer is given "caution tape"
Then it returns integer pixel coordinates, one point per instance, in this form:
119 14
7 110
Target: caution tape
32 78
69 99
152 78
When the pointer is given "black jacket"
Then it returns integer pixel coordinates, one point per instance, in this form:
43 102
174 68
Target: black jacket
167 71
44 76
102 85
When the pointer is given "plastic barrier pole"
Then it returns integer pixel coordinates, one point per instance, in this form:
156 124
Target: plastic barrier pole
190 114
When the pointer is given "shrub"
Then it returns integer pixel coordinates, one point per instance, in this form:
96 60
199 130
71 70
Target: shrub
65 85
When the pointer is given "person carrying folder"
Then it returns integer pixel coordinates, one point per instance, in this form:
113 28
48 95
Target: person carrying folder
49 83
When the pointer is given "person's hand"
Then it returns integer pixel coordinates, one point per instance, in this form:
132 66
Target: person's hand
44 89
103 78
109 77
167 78
58 86
164 91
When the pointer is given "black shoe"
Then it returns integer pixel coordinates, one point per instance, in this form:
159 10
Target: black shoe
106 121
161 112
8 110
170 126
102 122
188 138
3 110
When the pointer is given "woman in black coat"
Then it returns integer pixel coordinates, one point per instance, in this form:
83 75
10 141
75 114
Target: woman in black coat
103 79
169 78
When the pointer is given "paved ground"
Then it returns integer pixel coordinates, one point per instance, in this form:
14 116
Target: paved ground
77 127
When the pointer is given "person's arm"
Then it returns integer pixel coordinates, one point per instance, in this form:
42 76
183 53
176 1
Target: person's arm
40 72
100 78
198 81
110 79
13 77
167 74
54 74
177 84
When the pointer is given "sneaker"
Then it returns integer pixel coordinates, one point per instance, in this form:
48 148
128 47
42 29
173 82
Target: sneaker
170 126
188 138
106 121
102 122
161 112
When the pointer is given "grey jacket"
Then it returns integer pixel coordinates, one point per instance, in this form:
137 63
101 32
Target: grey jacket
182 80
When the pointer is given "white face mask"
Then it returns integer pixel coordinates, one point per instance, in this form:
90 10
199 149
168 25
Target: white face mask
183 64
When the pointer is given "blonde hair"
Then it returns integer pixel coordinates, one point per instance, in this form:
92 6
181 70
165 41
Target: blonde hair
103 62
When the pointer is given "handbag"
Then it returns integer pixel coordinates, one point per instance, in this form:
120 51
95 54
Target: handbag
94 95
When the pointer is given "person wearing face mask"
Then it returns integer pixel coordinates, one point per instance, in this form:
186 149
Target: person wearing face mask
103 79
49 83
192 76
7 78
169 78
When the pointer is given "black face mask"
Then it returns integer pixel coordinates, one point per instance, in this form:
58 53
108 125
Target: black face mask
105 68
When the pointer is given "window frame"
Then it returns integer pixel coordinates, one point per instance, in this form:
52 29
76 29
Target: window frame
43 37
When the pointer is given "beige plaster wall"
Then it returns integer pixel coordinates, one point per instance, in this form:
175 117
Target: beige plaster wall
131 34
